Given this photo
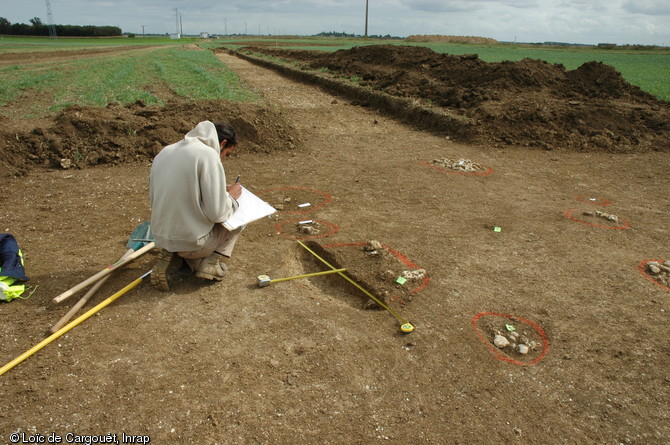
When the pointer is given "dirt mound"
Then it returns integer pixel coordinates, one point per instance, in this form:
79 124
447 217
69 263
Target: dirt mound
82 136
528 103
595 79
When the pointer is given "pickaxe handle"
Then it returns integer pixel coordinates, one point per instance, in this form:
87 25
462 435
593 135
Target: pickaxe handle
82 301
104 272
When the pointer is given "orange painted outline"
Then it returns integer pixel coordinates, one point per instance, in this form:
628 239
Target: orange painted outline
334 228
598 202
499 355
327 199
402 258
627 225
640 267
446 170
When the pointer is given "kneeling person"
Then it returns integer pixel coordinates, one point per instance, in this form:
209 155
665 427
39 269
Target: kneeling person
190 200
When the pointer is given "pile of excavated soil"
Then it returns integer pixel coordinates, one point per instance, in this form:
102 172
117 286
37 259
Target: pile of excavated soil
527 103
81 137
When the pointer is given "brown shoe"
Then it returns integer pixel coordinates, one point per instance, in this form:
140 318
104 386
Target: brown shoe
167 263
211 269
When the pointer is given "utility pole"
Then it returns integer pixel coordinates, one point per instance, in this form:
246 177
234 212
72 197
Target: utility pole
50 21
143 30
366 19
176 18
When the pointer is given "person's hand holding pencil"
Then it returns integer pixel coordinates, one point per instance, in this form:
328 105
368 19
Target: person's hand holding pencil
235 189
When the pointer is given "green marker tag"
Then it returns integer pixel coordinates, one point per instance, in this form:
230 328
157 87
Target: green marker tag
510 328
497 229
401 280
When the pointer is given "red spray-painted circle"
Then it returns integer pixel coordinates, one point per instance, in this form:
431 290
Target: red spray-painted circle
456 172
333 227
641 268
499 355
595 201
626 224
323 196
402 258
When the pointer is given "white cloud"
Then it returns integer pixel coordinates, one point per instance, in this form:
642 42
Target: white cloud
468 5
443 6
648 7
576 21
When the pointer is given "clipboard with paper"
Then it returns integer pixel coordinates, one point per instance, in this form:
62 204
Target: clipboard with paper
251 208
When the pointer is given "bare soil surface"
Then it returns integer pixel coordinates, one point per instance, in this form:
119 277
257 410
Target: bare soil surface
513 248
35 55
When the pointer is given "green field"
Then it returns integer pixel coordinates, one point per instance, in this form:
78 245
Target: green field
150 76
173 69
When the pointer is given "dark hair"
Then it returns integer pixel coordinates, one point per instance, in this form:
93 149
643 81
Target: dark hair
226 131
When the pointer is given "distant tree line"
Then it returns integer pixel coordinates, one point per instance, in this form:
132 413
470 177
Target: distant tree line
627 46
37 28
344 34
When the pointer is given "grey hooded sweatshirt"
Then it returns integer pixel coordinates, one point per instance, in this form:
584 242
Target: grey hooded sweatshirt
187 185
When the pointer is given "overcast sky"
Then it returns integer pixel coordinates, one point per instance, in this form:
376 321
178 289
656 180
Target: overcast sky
573 21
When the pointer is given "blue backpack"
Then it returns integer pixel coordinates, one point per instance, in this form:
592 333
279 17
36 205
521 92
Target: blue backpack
12 272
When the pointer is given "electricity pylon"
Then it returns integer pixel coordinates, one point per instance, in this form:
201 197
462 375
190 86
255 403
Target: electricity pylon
50 21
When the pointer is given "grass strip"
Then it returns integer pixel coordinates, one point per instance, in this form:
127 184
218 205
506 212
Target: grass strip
152 76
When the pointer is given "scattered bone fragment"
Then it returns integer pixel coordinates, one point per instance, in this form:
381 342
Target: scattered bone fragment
464 165
514 342
659 271
308 229
415 274
653 268
500 342
607 216
372 247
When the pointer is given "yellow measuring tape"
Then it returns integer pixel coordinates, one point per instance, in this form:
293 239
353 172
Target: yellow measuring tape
405 326
71 325
315 274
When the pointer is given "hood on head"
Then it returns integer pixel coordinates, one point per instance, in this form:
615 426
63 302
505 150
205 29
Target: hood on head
205 132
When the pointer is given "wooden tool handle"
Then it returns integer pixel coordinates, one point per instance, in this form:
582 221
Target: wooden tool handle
103 272
74 323
82 301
